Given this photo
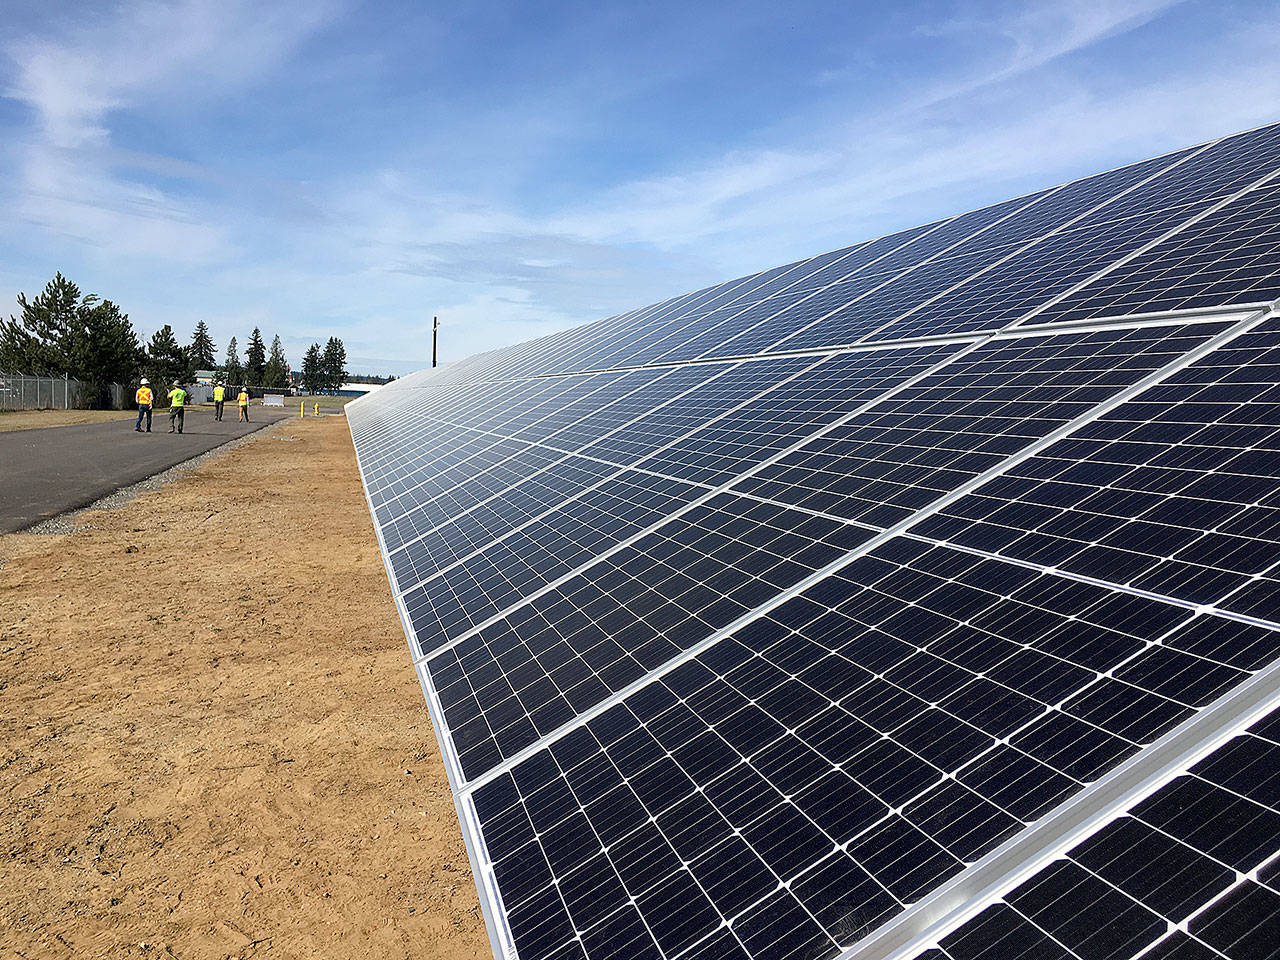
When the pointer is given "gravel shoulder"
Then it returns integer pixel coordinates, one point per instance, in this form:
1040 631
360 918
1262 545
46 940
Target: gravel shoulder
211 739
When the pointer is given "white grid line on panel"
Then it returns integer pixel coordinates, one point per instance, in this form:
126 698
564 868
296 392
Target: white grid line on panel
1237 881
573 335
905 271
566 456
389 456
861 408
1033 243
619 470
799 280
903 526
555 405
1188 605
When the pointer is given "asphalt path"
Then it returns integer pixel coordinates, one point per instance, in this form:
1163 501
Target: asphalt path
51 470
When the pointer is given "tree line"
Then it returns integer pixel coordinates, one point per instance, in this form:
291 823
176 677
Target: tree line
62 332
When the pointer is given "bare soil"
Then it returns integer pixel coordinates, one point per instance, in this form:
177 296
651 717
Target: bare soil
211 741
33 419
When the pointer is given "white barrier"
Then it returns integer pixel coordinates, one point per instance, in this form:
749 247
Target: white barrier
273 400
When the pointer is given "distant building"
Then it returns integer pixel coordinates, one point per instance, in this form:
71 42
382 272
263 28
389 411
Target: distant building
205 377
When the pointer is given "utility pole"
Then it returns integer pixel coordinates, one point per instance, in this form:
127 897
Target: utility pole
435 325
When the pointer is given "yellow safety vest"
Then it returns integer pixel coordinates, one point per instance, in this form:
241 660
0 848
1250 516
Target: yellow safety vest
218 394
243 399
178 397
144 396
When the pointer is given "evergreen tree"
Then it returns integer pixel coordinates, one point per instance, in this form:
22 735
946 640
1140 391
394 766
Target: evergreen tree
276 373
255 359
166 363
106 350
232 368
201 352
42 342
312 377
333 364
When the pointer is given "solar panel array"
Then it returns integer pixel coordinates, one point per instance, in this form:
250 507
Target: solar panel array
916 599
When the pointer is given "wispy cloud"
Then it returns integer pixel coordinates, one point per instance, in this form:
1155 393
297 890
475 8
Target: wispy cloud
149 49
1024 37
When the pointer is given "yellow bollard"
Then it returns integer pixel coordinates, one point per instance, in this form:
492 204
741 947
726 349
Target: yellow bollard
317 408
302 409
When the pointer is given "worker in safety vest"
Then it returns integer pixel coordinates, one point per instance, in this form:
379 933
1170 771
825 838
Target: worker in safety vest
219 395
144 406
243 401
177 407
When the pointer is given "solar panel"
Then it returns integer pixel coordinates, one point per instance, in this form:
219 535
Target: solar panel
916 599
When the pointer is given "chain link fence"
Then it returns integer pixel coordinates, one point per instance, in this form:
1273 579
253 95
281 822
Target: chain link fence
21 392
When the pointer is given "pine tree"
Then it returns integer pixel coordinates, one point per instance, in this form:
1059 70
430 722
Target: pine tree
232 368
255 359
276 372
333 364
312 379
42 342
201 352
166 363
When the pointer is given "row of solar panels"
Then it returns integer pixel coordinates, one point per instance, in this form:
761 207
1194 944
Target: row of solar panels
756 656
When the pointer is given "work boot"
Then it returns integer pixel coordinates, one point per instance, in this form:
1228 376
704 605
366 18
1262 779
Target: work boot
137 429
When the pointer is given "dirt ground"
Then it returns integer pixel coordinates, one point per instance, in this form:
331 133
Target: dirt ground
32 419
211 741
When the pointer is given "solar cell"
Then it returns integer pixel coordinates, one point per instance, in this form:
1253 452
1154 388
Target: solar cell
905 600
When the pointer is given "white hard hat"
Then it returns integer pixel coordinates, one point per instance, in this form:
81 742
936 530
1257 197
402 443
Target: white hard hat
145 381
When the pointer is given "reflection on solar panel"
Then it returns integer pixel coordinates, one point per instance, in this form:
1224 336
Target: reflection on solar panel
918 599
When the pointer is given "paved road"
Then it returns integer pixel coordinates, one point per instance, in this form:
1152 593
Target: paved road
48 471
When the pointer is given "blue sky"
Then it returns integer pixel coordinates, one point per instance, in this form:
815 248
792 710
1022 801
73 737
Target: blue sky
351 168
